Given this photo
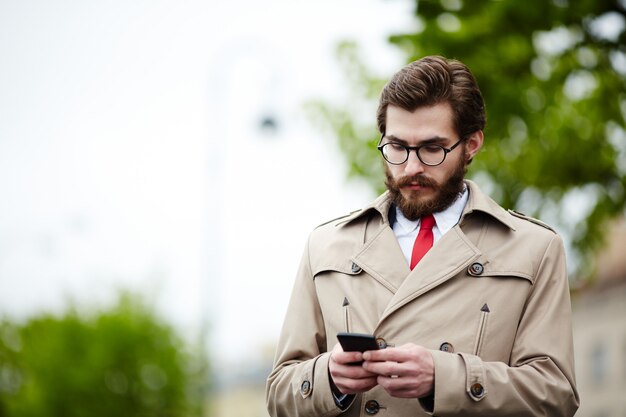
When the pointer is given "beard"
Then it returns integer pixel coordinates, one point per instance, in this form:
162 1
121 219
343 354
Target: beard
416 205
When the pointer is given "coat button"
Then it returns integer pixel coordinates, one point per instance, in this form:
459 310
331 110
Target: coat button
355 268
477 390
372 407
382 344
476 269
446 347
305 388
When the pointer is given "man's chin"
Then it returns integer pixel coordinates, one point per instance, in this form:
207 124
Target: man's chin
416 206
416 195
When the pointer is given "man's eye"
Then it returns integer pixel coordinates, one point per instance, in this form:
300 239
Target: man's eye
431 149
396 147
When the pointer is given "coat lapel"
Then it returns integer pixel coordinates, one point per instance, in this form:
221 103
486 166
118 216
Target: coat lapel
450 255
382 258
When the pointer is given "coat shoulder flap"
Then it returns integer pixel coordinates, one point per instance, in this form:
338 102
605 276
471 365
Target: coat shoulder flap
530 219
339 220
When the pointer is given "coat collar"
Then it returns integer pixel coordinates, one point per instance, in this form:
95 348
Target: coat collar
481 202
379 206
478 202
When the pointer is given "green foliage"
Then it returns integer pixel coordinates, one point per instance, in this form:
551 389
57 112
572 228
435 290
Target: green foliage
121 362
554 82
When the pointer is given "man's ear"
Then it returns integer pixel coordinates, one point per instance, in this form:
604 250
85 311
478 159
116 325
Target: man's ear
474 143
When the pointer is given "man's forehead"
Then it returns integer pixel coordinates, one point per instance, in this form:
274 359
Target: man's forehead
423 123
442 109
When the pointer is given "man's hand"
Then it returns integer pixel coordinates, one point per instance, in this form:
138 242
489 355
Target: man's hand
347 374
407 371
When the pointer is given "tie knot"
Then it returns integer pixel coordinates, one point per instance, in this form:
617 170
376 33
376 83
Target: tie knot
427 222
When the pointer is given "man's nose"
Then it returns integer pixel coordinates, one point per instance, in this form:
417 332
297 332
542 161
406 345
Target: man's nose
413 165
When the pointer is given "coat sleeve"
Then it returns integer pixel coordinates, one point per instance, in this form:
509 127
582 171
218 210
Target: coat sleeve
299 385
539 379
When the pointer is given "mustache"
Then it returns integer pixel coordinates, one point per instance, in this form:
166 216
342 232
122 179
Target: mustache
420 180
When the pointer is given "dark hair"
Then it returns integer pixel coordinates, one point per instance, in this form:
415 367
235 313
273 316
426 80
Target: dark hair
433 80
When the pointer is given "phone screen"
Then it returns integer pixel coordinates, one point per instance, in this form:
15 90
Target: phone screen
357 342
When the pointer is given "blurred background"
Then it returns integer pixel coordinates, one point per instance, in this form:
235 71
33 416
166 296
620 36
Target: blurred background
162 163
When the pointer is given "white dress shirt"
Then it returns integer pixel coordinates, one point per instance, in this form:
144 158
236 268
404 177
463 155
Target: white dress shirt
406 230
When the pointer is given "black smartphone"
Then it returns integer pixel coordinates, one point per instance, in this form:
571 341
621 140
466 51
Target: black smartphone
357 342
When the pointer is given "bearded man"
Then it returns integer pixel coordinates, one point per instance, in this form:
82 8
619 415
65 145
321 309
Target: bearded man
468 302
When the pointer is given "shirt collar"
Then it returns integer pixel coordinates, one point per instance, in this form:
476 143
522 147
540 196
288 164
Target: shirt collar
445 220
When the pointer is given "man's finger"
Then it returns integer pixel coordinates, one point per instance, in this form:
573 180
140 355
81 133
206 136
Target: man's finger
389 354
388 369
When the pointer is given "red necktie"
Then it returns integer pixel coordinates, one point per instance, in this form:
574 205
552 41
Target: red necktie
424 240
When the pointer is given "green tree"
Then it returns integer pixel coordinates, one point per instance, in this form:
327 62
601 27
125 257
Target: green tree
119 362
553 75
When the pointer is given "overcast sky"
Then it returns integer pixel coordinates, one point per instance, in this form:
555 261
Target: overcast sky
131 155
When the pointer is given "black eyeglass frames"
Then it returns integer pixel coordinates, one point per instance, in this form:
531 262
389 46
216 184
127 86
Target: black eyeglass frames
430 154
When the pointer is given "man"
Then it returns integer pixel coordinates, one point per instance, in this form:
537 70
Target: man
468 302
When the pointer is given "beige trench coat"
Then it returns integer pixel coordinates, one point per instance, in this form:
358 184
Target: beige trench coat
490 300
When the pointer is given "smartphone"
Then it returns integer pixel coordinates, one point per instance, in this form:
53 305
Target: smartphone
357 342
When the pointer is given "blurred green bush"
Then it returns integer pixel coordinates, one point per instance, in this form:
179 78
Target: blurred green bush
123 361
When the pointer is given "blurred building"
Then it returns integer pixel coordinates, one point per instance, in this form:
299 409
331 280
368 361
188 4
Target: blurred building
599 316
241 393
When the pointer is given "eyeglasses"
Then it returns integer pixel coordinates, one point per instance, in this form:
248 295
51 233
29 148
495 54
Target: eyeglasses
429 154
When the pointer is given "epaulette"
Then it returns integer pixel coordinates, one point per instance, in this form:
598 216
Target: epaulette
530 219
338 218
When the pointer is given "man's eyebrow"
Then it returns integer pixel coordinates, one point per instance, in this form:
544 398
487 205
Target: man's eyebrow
429 141
395 139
